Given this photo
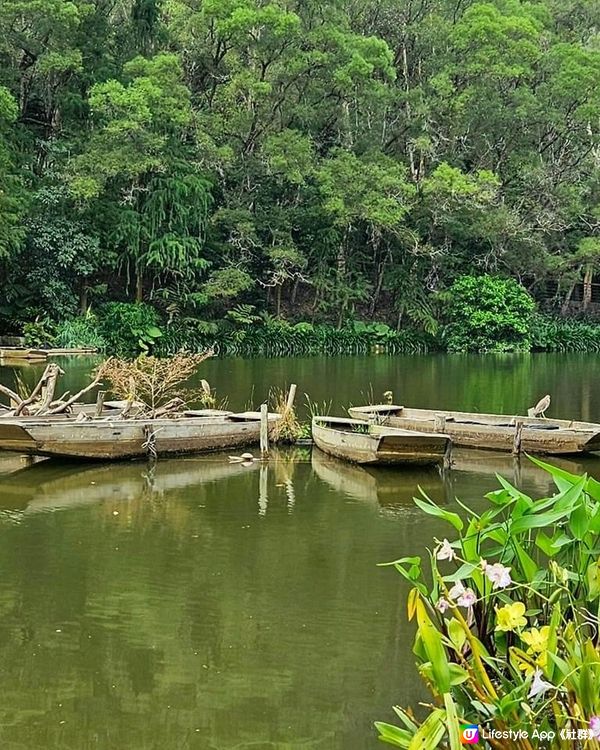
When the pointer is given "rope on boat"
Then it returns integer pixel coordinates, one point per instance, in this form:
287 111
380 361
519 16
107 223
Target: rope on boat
150 442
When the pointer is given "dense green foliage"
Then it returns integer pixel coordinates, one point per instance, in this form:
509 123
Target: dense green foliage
487 314
507 622
321 162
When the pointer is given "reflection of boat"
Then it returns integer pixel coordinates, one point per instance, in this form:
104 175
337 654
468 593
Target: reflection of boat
473 475
355 440
377 485
492 462
52 486
11 462
129 438
489 431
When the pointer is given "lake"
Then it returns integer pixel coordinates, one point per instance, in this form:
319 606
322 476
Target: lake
205 605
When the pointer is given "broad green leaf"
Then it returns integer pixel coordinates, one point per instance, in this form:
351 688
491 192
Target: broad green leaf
434 647
538 520
452 722
562 479
528 565
592 577
456 634
579 521
393 735
434 510
430 733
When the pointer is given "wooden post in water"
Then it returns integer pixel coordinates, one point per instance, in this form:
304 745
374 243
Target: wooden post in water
517 440
291 397
99 403
439 423
264 431
448 455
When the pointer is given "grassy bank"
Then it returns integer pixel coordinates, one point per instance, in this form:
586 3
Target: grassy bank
128 330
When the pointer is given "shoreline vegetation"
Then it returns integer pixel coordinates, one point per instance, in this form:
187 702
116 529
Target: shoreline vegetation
232 165
133 329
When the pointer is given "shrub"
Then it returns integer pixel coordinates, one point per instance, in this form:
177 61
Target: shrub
80 332
487 314
560 335
507 622
129 328
39 333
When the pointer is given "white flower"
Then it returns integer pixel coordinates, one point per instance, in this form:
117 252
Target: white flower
442 605
499 575
538 686
445 552
457 590
595 727
467 599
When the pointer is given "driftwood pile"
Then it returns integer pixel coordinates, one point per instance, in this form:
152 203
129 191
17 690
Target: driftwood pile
147 387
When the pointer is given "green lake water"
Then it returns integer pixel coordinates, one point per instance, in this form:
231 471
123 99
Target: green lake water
204 605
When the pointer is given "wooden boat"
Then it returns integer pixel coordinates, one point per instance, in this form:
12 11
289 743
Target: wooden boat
9 353
489 431
354 440
106 439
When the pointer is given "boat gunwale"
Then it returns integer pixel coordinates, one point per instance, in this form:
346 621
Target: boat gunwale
530 423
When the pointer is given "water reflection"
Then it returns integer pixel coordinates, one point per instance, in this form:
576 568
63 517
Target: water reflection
473 473
204 604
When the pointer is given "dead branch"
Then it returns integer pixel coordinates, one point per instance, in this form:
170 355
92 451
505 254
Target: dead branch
52 371
130 399
48 396
94 384
171 406
14 399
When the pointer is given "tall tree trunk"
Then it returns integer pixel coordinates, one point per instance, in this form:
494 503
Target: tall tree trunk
83 300
278 300
587 286
139 286
295 291
564 308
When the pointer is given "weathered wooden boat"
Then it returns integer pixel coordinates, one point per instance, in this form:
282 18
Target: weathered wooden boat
10 353
362 443
489 431
113 438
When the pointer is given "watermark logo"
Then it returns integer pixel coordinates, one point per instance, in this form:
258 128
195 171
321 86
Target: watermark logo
469 734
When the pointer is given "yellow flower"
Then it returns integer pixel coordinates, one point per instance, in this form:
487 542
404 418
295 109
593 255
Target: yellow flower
525 666
539 662
537 640
510 617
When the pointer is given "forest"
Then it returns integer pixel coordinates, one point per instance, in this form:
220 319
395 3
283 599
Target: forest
178 171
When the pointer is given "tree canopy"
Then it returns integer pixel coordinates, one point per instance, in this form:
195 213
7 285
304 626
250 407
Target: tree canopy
321 161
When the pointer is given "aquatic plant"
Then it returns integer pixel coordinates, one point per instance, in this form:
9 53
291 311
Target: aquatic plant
277 338
288 428
553 334
508 622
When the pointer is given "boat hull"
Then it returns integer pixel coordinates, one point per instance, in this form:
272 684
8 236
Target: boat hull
123 439
377 445
490 431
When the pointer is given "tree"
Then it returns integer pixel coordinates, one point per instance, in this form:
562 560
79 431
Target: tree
160 203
